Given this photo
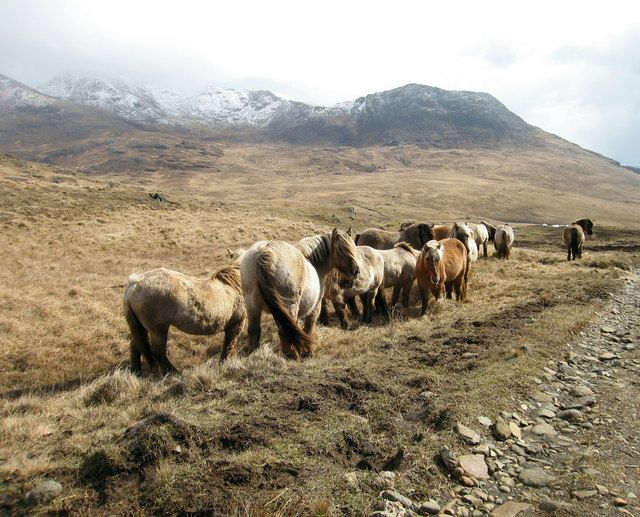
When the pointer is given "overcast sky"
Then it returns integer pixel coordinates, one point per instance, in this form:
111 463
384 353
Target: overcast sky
571 68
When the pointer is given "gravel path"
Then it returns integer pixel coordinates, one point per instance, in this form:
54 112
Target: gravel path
571 448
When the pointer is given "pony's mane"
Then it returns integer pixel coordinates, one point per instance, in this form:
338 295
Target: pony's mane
229 275
407 247
316 249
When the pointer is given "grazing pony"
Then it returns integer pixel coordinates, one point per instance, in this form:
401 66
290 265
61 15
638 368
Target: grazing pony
288 281
161 298
399 272
441 231
491 230
366 285
503 241
442 265
416 235
464 234
480 235
573 237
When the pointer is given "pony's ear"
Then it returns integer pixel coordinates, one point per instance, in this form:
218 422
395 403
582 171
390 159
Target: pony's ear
229 252
349 231
334 233
439 245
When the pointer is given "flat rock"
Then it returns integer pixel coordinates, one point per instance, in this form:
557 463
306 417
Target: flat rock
580 391
485 421
546 413
515 430
607 356
392 495
584 494
467 434
535 477
581 402
540 396
430 508
571 415
510 509
43 492
607 329
448 458
544 429
550 505
474 465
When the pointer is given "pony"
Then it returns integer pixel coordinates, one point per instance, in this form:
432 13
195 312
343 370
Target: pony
407 223
442 265
503 241
574 238
416 235
399 272
480 235
464 234
366 285
441 231
491 230
161 298
288 281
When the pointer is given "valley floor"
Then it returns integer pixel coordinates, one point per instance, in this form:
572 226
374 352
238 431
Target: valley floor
258 435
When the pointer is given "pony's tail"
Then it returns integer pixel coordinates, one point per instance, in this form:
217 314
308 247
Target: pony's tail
465 277
575 242
139 335
407 247
296 342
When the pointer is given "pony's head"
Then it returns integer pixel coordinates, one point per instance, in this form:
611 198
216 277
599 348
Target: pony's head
434 253
343 254
463 233
587 225
235 256
407 223
423 232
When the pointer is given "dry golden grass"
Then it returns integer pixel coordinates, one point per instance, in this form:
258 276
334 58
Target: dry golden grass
257 435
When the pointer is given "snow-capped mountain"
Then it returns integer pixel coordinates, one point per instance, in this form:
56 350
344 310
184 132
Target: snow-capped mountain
15 95
113 95
412 113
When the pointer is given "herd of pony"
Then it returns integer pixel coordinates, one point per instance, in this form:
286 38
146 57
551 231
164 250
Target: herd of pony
295 282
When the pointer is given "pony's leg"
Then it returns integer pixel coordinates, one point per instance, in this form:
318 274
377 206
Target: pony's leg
457 285
353 307
424 295
378 299
396 295
231 333
254 330
569 252
580 251
484 248
323 319
134 355
406 294
309 323
342 315
367 307
158 342
449 289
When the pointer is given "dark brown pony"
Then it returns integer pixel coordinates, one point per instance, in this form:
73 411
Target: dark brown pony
417 235
573 237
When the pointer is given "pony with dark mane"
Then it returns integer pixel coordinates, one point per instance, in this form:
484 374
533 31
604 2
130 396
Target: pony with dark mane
161 298
288 281
574 238
417 235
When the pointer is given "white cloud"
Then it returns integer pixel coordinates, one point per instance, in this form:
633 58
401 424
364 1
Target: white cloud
570 67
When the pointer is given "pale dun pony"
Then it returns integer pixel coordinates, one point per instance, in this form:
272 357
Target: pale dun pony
503 241
366 285
161 298
465 235
288 281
